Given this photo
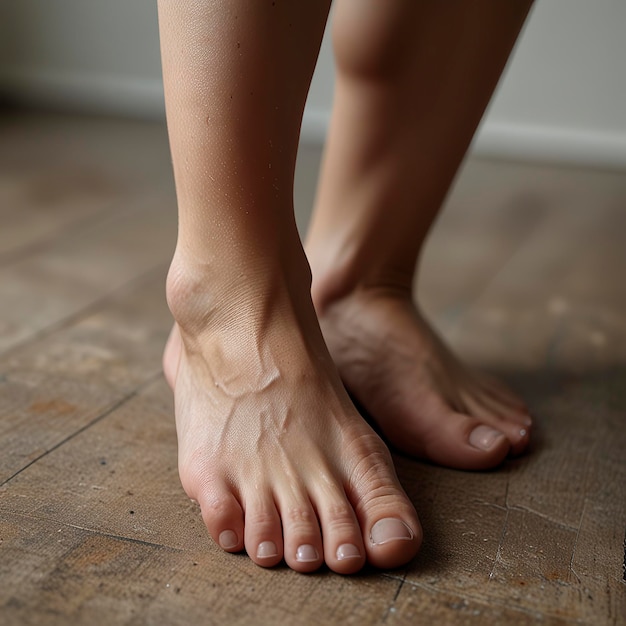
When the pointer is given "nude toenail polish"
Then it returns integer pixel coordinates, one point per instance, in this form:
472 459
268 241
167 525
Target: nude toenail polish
347 551
266 550
228 539
483 437
389 529
307 554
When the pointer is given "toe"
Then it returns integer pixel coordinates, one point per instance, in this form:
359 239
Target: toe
392 533
464 442
344 551
500 393
491 404
223 517
263 533
514 425
303 550
519 439
392 541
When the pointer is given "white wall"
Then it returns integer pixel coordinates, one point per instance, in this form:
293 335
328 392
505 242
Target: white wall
95 55
562 98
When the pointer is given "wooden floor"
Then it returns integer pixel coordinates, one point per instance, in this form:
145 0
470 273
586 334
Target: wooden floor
525 275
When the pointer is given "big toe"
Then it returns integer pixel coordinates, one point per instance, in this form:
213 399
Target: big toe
394 540
392 533
461 442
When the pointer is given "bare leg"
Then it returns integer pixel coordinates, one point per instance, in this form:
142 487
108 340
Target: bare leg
413 81
269 443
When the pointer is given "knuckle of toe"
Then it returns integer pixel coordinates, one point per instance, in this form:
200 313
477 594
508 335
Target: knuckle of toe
216 507
298 515
373 469
339 515
380 498
260 519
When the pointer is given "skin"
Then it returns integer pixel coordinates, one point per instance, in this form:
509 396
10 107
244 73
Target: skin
270 444
407 105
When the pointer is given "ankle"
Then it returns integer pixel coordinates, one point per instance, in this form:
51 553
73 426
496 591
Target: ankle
235 294
339 283
198 292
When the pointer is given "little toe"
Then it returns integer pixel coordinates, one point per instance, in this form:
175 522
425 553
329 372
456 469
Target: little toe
263 532
223 516
513 425
303 550
519 440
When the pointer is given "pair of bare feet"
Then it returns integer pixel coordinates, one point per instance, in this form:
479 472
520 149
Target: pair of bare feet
266 337
270 444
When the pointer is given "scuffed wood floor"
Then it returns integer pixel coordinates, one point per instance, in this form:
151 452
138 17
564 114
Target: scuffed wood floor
524 275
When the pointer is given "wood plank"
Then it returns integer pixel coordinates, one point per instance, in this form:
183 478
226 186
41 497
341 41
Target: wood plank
33 209
78 270
58 574
481 227
559 302
416 604
59 384
507 228
57 174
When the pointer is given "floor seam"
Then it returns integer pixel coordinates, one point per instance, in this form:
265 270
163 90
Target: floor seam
94 531
111 409
491 602
86 311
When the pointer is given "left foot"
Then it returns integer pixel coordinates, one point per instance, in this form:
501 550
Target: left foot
425 401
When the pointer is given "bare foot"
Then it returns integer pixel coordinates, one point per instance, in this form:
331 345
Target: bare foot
270 445
425 401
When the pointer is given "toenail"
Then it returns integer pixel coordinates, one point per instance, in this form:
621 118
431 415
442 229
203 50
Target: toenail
307 554
483 437
348 551
228 539
266 550
389 529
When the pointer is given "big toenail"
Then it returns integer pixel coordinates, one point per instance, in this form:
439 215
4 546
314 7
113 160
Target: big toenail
347 551
228 539
266 550
389 529
307 554
483 437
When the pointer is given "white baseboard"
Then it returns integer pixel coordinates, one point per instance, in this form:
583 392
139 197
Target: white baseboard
143 98
84 93
551 144
524 142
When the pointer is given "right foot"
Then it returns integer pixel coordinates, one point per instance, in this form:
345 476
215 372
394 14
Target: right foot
270 446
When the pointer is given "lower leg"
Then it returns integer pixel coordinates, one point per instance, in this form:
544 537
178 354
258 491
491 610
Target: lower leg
269 444
413 81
